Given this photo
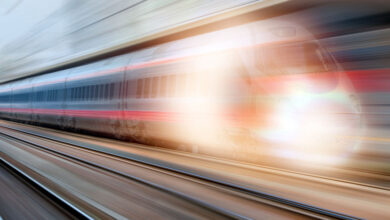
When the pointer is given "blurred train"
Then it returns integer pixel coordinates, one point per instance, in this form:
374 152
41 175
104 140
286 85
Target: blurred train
266 86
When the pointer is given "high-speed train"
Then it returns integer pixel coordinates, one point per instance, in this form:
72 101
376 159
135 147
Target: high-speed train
228 92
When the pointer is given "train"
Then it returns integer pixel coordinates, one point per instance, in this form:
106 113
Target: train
264 87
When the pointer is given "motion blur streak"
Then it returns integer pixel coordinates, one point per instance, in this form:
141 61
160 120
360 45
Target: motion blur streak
295 85
82 29
287 98
202 93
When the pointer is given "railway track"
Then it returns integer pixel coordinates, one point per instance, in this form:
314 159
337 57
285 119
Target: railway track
169 204
167 179
23 196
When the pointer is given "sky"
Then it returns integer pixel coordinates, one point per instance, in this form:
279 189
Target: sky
18 16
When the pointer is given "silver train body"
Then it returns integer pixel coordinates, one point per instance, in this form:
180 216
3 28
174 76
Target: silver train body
216 93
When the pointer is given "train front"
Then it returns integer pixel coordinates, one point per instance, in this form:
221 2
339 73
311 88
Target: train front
303 105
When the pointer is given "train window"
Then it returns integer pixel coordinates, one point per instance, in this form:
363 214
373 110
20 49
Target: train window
172 85
95 92
163 86
78 93
129 88
120 90
84 93
132 88
97 89
106 91
147 88
155 83
139 88
112 87
90 92
101 91
73 94
293 59
126 89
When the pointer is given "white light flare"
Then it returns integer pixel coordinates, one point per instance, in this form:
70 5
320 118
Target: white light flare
311 127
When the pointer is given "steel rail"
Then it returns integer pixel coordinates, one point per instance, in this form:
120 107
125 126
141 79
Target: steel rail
220 211
157 164
54 197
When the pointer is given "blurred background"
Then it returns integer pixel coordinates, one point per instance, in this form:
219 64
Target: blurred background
54 35
296 85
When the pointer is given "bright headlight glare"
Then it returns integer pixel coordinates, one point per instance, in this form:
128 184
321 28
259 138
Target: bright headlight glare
295 125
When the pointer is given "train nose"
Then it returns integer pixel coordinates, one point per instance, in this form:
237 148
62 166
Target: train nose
305 125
